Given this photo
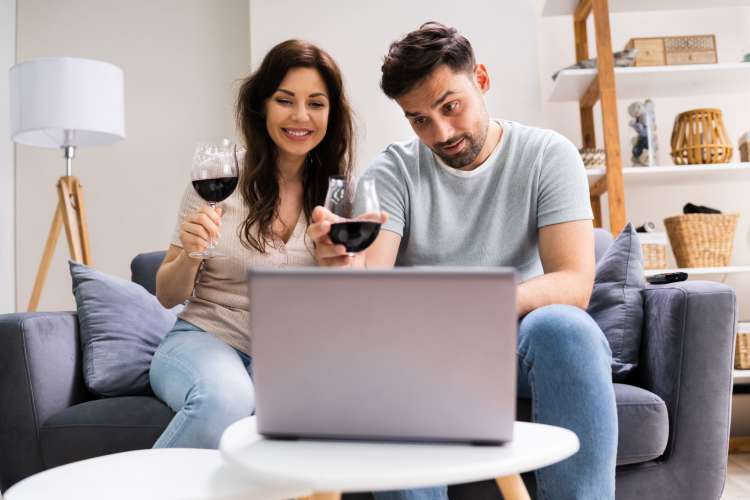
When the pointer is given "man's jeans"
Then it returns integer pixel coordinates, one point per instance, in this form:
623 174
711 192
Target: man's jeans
205 381
564 367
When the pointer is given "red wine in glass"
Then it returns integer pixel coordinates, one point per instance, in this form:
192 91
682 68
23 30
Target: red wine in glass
355 235
214 175
356 203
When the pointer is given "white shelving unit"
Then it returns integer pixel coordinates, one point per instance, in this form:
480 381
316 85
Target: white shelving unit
568 7
658 81
742 376
678 174
664 81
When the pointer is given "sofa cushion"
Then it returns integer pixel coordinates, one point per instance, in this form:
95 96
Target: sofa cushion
101 427
642 422
121 325
617 301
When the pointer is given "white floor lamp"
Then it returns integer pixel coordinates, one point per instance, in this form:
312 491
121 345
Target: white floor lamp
66 103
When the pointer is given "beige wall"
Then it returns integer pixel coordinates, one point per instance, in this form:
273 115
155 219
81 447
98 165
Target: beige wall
7 170
654 203
181 60
359 44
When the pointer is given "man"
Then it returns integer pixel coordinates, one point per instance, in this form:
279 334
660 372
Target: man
470 190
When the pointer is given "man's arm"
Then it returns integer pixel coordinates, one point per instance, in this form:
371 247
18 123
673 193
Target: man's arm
567 254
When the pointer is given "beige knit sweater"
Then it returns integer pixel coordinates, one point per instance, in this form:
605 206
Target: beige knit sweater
220 301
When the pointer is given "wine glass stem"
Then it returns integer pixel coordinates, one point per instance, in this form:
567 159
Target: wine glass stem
210 239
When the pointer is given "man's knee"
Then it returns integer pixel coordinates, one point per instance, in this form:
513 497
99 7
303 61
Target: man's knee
564 332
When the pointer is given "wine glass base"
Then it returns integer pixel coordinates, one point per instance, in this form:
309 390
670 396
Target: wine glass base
208 254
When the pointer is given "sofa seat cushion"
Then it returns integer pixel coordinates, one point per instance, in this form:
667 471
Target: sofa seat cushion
101 427
642 421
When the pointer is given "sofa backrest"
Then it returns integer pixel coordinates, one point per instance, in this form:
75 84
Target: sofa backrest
602 240
144 266
143 269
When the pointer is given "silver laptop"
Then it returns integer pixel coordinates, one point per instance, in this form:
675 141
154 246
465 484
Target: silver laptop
416 354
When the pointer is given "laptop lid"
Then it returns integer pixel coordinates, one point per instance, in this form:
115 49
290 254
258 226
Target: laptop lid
407 353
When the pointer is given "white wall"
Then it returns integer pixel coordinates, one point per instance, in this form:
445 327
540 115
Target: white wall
182 60
357 35
7 161
654 203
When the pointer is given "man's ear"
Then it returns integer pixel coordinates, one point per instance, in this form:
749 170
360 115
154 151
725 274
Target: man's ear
482 78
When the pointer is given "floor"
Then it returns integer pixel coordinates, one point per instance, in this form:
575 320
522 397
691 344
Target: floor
737 486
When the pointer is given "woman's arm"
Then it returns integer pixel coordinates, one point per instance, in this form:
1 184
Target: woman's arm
175 278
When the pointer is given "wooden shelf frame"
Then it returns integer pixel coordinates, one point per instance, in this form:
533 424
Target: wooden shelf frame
603 90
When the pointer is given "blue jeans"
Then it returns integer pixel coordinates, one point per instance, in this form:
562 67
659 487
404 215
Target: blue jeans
564 368
205 381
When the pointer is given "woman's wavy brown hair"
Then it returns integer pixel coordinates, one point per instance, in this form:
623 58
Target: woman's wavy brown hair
333 156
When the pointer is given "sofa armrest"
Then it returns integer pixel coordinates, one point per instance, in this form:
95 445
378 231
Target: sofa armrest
687 359
40 375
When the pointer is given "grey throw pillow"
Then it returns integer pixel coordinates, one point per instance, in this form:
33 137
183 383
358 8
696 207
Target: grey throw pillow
617 300
120 326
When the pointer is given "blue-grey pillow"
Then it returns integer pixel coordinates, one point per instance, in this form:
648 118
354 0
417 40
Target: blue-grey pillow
120 326
617 301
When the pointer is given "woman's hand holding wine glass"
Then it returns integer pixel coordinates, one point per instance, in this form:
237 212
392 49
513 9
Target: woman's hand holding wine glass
199 229
215 174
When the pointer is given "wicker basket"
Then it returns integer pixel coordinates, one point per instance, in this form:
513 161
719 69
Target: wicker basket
742 348
699 137
702 240
654 250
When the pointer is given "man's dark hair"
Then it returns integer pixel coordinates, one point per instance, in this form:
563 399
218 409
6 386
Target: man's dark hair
411 59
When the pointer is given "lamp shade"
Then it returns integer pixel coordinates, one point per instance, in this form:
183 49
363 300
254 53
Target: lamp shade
66 101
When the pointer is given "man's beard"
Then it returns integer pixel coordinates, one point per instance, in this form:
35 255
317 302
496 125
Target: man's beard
472 148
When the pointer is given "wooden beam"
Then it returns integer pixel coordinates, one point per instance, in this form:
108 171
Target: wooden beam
599 187
596 207
582 11
588 134
608 97
592 94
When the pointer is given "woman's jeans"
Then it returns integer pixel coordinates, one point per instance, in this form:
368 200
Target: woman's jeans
205 381
564 367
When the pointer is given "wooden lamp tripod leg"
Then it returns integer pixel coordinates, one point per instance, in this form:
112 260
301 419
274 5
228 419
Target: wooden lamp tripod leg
70 213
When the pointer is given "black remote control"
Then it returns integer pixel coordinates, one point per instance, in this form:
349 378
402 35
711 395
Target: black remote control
661 279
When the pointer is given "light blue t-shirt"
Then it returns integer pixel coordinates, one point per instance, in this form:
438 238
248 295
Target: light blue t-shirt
489 216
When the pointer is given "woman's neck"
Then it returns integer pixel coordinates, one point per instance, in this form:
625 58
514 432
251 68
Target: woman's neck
290 167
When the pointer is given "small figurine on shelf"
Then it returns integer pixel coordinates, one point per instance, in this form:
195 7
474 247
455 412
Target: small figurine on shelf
645 146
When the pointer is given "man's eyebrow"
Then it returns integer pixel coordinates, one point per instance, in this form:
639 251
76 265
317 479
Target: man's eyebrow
437 103
289 92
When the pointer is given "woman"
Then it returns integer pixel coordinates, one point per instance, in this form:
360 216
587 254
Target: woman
296 122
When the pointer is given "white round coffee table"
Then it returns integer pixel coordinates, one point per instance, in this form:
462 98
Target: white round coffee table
164 474
331 467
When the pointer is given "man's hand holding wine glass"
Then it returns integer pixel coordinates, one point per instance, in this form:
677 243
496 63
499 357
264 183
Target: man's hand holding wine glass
348 224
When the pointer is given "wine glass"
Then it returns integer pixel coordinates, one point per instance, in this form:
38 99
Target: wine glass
214 175
356 203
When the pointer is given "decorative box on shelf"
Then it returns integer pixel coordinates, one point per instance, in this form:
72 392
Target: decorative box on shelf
673 50
654 250
742 348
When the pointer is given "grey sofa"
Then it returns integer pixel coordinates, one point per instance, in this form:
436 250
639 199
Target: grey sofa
673 414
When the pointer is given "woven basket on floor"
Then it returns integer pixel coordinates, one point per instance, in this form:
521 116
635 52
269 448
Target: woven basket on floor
742 350
702 240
